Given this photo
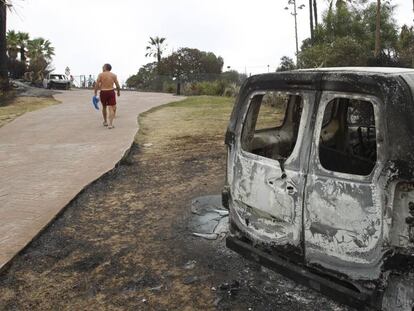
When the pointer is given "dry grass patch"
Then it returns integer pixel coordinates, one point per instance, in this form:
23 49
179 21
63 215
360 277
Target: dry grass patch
20 105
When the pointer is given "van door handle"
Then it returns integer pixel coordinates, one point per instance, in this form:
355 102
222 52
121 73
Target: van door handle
290 189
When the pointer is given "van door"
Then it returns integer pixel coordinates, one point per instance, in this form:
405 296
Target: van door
269 166
344 201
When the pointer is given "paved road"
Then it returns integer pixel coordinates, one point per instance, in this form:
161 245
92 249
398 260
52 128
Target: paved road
48 156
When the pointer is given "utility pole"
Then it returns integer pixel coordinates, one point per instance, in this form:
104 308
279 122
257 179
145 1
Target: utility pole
311 18
295 15
315 12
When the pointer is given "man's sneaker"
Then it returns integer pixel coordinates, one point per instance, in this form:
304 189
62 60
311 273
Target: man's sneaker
105 123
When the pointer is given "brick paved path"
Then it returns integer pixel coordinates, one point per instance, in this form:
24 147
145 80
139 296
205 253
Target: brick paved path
48 156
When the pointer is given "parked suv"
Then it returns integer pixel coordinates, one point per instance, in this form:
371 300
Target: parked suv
56 81
320 181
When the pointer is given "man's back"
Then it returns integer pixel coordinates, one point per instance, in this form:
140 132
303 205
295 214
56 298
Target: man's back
106 80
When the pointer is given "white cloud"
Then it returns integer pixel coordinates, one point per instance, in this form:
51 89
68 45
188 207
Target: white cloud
86 34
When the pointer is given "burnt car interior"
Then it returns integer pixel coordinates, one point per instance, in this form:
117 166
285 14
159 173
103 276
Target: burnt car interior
56 77
347 142
272 125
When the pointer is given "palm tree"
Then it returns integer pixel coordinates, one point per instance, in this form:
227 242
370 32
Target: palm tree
40 48
40 52
4 79
156 48
12 44
22 39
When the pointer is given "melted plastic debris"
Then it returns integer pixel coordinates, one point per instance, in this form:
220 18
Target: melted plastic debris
210 219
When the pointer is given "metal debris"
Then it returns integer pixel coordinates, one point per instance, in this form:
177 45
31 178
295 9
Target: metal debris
210 219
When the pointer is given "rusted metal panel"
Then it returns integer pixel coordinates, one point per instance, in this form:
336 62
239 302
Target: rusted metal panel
350 224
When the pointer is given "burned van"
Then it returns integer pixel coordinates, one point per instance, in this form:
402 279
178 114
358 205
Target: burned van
320 181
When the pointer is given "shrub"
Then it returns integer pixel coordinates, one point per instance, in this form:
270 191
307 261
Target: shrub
212 88
232 90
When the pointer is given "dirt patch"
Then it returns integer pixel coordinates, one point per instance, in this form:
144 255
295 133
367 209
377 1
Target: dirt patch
125 242
19 105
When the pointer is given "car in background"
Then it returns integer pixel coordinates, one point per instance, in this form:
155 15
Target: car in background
56 81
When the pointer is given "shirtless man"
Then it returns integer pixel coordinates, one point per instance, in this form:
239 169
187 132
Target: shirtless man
105 83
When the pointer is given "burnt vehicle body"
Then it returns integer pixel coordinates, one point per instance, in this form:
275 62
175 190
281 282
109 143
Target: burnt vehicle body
56 81
320 180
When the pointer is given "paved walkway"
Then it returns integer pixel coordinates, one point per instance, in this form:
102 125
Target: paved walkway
48 156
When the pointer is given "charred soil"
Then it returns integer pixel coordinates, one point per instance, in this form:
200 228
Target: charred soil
124 243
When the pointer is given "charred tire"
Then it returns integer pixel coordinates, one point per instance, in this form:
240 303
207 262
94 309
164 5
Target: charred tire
399 294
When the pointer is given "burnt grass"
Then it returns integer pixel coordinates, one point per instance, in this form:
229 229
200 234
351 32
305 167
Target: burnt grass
123 243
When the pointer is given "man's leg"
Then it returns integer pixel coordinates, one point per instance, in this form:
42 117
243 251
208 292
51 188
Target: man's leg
111 115
104 114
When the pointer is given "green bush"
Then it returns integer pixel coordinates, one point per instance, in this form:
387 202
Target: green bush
232 90
169 87
211 88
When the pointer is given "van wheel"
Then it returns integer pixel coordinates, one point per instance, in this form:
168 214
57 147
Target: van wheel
399 294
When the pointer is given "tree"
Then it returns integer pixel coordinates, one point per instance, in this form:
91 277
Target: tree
145 79
15 67
382 45
191 65
406 47
233 76
346 36
40 48
4 76
378 30
155 48
286 64
40 52
12 44
210 63
23 39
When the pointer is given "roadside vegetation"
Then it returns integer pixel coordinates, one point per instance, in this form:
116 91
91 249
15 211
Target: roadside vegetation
21 57
356 33
187 71
16 107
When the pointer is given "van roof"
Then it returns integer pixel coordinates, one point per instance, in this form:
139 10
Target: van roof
381 70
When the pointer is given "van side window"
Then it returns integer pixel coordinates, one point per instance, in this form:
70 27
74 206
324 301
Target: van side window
347 142
272 124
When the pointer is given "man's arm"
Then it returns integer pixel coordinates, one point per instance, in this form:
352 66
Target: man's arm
118 89
97 84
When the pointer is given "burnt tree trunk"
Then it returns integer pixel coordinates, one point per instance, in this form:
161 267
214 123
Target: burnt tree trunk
378 31
4 80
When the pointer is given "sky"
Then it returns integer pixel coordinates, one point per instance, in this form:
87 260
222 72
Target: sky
249 35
